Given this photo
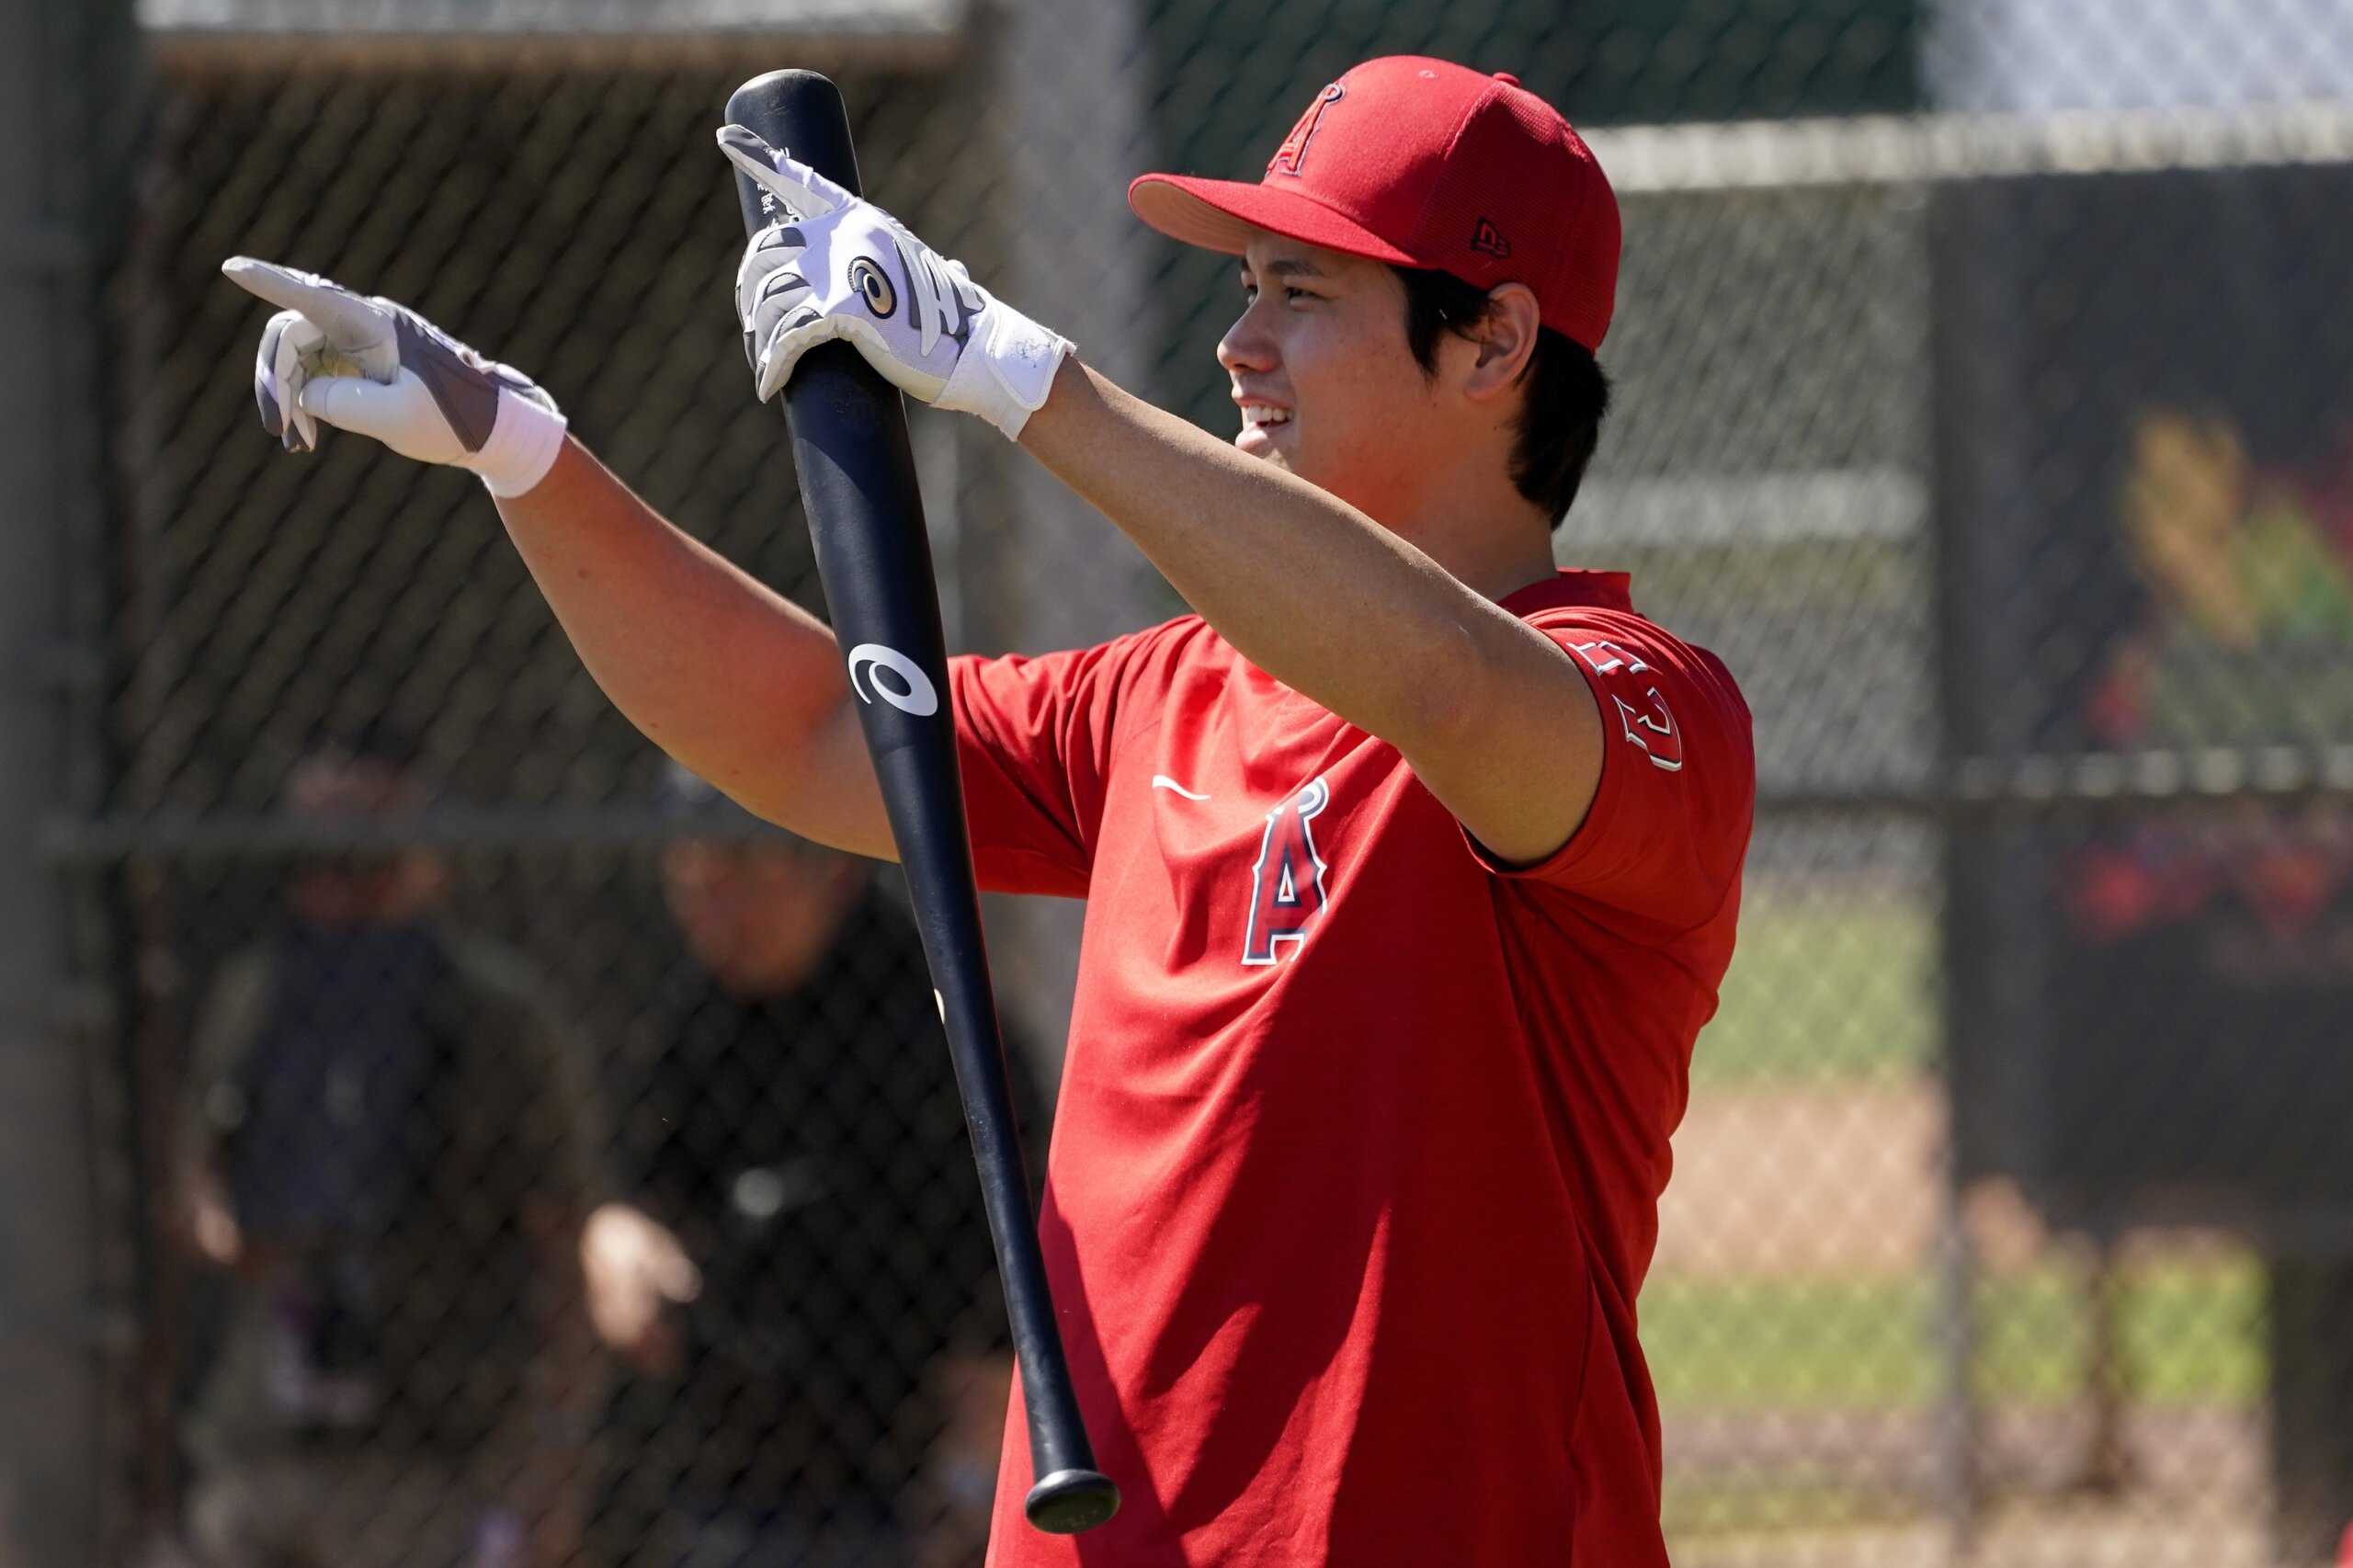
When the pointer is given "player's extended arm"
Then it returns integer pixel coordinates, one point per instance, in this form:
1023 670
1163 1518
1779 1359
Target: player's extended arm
1490 712
735 681
730 679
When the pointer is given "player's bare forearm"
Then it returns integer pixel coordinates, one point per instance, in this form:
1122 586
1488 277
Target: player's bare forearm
732 679
1339 608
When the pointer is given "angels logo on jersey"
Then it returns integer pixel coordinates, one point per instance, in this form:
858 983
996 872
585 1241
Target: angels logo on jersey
1646 721
1287 885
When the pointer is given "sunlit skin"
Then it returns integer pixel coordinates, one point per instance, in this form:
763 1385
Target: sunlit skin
1361 567
1329 390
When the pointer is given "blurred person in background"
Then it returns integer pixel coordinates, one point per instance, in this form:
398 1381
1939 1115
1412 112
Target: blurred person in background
801 1272
384 1144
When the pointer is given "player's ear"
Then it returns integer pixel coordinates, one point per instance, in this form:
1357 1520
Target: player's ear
1506 338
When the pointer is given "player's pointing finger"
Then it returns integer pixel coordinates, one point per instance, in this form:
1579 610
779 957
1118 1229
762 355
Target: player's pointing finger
350 323
285 287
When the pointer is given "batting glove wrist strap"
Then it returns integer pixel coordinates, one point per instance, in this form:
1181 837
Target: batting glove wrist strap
522 446
378 369
1007 379
834 266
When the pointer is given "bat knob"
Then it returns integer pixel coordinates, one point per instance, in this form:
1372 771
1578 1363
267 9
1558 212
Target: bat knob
1070 1501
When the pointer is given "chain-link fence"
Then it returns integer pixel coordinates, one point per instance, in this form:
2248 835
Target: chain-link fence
528 1158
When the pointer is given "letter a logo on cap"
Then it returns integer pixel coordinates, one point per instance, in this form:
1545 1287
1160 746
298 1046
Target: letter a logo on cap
1293 152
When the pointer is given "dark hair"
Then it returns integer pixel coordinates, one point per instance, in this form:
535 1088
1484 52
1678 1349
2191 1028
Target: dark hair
1567 393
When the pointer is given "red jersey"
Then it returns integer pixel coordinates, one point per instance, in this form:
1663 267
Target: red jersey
1355 1170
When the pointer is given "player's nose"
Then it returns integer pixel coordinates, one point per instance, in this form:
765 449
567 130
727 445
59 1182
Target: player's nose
1247 346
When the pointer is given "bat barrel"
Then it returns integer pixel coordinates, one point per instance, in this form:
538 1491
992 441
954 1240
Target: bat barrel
857 482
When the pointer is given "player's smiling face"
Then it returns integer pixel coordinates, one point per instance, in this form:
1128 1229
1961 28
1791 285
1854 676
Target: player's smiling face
1326 383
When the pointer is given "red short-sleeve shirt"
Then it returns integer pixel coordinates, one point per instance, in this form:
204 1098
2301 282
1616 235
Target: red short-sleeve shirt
1355 1170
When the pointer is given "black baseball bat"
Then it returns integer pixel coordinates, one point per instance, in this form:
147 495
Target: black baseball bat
858 484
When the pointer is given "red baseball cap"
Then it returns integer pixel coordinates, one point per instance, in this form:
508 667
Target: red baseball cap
1424 163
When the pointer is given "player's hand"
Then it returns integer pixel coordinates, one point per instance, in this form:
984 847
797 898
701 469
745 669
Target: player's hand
378 369
834 265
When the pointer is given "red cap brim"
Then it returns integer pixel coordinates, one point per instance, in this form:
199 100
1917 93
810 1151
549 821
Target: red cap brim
1221 215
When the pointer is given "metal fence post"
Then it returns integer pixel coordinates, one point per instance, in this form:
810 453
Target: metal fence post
52 1372
1956 1479
1064 577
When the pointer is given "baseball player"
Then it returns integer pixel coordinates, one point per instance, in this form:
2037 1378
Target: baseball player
1411 863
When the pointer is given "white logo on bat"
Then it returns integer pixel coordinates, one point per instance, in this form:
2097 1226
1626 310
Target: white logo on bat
871 659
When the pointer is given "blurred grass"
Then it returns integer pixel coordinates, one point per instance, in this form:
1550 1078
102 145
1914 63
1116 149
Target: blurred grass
1827 985
2190 1327
1802 1504
1834 984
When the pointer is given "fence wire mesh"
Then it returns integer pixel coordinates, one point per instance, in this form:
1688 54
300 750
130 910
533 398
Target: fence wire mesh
541 1164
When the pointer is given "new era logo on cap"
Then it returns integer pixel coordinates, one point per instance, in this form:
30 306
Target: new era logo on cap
1421 163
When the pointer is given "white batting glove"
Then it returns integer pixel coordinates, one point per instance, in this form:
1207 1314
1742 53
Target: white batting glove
836 265
378 369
